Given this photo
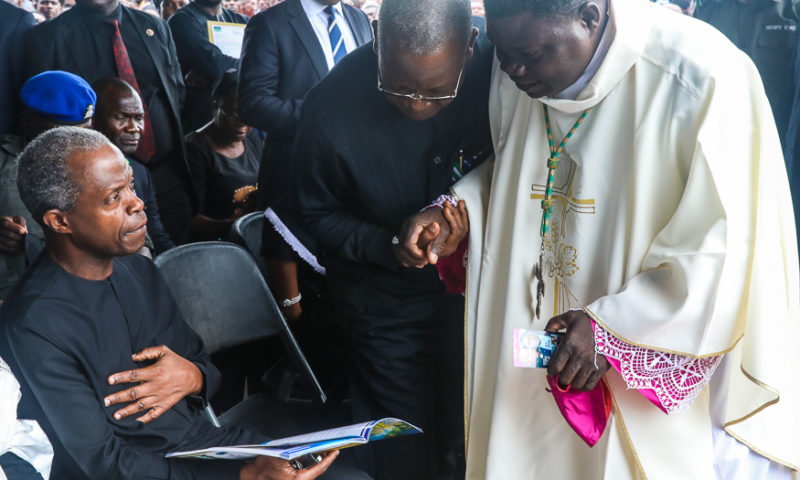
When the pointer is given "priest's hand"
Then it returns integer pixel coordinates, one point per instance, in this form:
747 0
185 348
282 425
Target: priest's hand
574 361
159 386
432 233
271 468
12 235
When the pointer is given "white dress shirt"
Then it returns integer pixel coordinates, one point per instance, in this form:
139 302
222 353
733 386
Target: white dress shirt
315 11
24 438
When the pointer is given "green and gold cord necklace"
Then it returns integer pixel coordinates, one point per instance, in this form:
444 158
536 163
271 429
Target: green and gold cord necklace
547 202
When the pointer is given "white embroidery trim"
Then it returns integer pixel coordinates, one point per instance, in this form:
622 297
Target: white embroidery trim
293 241
676 379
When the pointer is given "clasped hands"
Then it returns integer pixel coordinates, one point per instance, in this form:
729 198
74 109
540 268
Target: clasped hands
159 386
433 233
437 232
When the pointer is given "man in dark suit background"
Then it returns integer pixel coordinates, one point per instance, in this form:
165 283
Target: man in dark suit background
101 38
284 54
202 62
14 22
287 49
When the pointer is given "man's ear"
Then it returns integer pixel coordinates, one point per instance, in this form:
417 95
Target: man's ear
375 36
591 14
473 37
57 221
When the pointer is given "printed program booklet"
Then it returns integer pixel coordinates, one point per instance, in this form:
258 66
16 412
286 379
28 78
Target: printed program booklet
293 447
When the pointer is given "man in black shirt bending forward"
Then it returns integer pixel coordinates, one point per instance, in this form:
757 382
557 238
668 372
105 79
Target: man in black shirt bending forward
364 160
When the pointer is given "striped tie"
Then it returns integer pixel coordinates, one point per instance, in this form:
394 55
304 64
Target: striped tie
337 42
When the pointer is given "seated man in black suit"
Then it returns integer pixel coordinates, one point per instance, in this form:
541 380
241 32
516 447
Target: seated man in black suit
89 318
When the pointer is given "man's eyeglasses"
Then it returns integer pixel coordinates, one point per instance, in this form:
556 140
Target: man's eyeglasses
417 97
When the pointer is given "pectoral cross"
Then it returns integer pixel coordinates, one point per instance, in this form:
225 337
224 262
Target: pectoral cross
537 274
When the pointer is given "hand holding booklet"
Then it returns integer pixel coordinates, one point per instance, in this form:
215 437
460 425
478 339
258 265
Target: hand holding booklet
300 445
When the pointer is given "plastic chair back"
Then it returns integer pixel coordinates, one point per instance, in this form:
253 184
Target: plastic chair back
247 232
224 298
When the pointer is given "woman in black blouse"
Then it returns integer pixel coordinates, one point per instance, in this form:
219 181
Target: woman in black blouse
223 158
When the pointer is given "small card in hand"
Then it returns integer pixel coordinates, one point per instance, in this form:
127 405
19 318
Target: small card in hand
534 348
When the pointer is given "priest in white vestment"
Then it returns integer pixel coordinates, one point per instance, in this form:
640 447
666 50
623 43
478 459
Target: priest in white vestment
671 236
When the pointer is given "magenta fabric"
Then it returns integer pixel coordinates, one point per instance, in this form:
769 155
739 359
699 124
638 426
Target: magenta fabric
648 393
453 269
586 412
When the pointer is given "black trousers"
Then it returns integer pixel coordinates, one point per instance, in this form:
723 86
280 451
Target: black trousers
408 362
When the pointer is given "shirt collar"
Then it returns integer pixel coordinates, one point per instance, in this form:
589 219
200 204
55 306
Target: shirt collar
315 7
94 16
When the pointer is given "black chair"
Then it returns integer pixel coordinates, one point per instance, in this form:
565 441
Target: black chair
224 298
247 232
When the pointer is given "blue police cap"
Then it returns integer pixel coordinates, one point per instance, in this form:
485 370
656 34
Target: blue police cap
59 97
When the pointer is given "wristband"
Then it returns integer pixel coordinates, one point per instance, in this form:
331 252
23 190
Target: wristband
288 302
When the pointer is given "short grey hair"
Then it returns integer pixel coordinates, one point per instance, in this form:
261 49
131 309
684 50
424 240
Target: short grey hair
44 179
507 8
423 27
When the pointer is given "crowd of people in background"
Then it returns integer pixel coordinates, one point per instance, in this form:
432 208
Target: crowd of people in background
44 10
349 126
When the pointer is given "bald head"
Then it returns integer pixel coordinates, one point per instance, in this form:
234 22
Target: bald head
109 90
423 27
120 113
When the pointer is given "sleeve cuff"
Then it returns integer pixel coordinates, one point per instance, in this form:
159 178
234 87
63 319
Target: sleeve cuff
203 397
379 250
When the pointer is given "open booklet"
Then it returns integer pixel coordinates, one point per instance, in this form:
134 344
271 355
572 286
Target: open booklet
293 447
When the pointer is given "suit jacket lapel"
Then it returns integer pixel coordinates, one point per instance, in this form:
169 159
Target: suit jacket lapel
350 14
302 27
156 51
83 64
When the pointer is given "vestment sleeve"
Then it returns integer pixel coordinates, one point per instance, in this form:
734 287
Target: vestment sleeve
668 380
76 418
691 271
322 191
259 104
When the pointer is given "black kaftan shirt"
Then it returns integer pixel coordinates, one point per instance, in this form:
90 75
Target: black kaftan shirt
63 336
